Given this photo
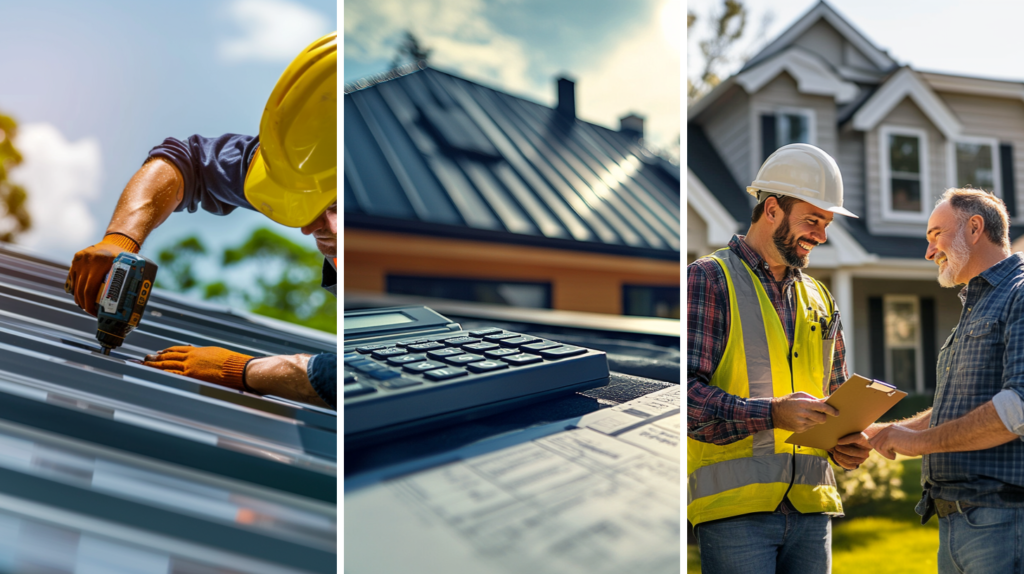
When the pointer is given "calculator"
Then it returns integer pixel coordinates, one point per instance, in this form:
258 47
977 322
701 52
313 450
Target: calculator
410 367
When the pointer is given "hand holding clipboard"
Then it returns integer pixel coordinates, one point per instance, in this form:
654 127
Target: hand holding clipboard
860 402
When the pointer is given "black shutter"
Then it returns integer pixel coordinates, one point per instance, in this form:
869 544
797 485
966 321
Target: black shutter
768 140
928 356
876 332
1009 185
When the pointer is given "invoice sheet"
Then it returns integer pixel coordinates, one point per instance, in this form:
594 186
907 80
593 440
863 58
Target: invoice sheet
598 494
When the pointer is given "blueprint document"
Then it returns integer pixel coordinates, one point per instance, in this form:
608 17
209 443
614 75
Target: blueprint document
598 495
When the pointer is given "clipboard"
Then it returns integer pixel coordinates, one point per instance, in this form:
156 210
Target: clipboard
860 401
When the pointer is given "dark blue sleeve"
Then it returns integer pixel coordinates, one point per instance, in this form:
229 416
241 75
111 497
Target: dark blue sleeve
213 169
322 371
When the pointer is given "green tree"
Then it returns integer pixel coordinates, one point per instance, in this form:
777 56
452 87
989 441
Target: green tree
176 261
13 198
411 50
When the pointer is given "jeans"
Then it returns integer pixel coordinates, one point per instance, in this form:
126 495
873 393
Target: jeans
766 544
981 540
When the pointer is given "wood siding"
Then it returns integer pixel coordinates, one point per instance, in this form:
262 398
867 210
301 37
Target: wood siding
727 125
905 114
850 160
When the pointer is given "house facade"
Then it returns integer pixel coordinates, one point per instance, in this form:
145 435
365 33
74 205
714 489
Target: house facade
900 136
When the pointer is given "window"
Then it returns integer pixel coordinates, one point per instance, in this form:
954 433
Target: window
513 293
643 301
975 163
786 126
903 364
904 173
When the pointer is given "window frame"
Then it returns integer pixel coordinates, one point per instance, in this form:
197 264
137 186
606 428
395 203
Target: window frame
885 182
997 173
918 344
808 113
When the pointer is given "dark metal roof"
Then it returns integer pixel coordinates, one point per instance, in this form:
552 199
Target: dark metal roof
104 461
433 153
704 161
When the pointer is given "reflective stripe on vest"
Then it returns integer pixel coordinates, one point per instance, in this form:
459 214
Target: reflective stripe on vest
755 474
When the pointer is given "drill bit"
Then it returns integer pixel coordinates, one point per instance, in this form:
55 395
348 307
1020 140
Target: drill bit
106 351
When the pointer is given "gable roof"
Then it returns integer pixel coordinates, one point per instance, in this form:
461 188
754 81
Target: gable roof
432 153
703 160
812 74
903 84
823 11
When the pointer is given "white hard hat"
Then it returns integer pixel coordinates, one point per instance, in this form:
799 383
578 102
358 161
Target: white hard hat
804 172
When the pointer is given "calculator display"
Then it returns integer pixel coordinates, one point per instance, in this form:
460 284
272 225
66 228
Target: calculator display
377 320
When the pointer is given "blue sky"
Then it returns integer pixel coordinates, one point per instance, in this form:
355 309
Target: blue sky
94 85
624 56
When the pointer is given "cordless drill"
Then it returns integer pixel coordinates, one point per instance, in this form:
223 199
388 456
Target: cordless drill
123 298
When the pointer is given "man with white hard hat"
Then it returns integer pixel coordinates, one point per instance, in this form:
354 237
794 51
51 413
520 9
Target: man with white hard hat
763 350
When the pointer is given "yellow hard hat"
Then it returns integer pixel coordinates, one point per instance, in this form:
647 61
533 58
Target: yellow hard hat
293 176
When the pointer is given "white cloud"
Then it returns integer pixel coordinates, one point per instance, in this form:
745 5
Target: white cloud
61 179
460 35
640 74
272 30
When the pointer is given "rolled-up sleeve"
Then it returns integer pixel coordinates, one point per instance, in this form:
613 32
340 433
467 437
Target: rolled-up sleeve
322 371
213 170
1009 402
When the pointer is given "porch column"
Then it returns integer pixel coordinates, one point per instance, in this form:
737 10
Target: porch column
842 290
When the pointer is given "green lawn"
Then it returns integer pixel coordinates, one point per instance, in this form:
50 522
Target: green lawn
880 537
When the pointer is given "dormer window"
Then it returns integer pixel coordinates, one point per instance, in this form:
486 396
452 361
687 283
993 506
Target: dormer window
904 153
975 163
786 126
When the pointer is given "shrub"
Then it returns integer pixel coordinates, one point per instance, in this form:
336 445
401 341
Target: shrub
878 478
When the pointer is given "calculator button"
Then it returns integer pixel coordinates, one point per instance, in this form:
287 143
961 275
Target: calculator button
442 353
356 389
421 367
445 373
384 374
560 352
425 346
463 359
522 359
403 359
540 346
482 332
353 357
388 352
368 367
370 348
484 366
399 383
460 341
481 347
499 353
349 377
500 336
411 342
516 341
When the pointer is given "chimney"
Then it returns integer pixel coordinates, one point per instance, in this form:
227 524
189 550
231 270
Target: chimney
632 126
566 98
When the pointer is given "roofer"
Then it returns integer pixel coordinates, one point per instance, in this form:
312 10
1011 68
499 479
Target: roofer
288 173
756 356
972 472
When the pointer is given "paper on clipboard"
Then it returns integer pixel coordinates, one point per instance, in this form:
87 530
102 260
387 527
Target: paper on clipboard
860 402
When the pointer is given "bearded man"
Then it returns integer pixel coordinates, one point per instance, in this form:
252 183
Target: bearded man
756 356
972 473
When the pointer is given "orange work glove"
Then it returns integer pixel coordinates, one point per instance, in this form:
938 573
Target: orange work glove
90 267
211 364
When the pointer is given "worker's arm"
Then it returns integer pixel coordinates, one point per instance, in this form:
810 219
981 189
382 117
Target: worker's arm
284 376
977 430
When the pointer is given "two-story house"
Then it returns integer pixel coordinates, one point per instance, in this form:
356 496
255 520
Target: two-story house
900 136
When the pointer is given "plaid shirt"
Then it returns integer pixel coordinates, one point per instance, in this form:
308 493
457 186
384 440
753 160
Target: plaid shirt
982 357
712 414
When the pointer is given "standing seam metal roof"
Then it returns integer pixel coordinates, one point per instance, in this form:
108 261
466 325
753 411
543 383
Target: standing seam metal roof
433 153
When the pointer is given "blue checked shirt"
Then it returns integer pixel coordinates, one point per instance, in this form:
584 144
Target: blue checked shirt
981 361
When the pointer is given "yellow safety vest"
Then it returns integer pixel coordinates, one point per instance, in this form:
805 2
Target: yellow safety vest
755 473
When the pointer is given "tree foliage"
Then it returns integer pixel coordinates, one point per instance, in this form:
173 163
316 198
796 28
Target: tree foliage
13 198
286 275
727 28
410 50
